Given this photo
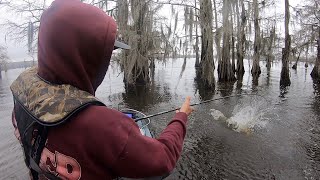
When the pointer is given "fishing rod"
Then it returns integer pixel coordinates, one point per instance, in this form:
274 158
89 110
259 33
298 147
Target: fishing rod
195 104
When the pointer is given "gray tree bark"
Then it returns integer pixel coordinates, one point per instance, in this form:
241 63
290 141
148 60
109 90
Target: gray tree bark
197 64
285 79
315 74
206 71
217 37
257 42
225 71
241 40
271 41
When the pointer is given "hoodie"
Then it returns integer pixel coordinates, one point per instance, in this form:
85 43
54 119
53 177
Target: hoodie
75 44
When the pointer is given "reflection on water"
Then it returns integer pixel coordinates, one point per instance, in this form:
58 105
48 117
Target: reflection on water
239 83
204 93
225 89
136 98
284 124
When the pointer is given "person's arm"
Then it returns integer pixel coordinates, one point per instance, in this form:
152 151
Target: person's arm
146 157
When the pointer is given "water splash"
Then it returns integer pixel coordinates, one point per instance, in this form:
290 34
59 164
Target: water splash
246 117
217 115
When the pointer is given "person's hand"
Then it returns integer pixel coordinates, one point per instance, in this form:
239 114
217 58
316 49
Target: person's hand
186 108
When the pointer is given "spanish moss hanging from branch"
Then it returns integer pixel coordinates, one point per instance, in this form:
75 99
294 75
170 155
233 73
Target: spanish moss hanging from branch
135 62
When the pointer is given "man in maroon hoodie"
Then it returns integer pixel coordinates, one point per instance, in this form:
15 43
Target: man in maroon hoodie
65 131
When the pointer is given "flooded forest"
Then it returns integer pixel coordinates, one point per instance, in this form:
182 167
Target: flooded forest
218 34
263 53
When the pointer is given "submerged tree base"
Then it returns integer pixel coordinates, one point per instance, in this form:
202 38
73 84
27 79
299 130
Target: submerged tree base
132 86
315 73
225 88
268 65
140 97
294 66
255 81
239 80
240 71
225 73
256 71
205 93
285 78
203 82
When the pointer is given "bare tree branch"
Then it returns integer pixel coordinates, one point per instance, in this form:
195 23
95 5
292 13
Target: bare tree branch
177 4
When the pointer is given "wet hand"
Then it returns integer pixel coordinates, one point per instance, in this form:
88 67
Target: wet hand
186 108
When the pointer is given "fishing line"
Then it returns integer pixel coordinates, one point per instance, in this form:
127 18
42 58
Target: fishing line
195 104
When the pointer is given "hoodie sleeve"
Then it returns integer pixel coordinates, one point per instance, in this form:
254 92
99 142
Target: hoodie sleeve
145 157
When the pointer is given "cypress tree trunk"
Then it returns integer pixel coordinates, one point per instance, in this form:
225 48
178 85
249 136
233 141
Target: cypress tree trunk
307 52
206 70
241 41
315 74
217 37
225 71
271 41
233 62
285 79
297 60
197 64
257 43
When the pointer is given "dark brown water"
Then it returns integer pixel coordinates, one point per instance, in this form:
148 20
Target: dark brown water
275 135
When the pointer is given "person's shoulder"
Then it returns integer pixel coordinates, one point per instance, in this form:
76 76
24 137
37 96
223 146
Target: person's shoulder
103 117
104 112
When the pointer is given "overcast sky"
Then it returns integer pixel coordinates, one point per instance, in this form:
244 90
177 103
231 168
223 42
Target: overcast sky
18 51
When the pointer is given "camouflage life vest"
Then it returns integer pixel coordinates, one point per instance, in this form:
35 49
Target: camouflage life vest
40 105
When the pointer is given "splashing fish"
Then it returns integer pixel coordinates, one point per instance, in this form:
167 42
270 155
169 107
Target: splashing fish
244 118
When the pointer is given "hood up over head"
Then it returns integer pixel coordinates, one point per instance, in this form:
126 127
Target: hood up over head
75 44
